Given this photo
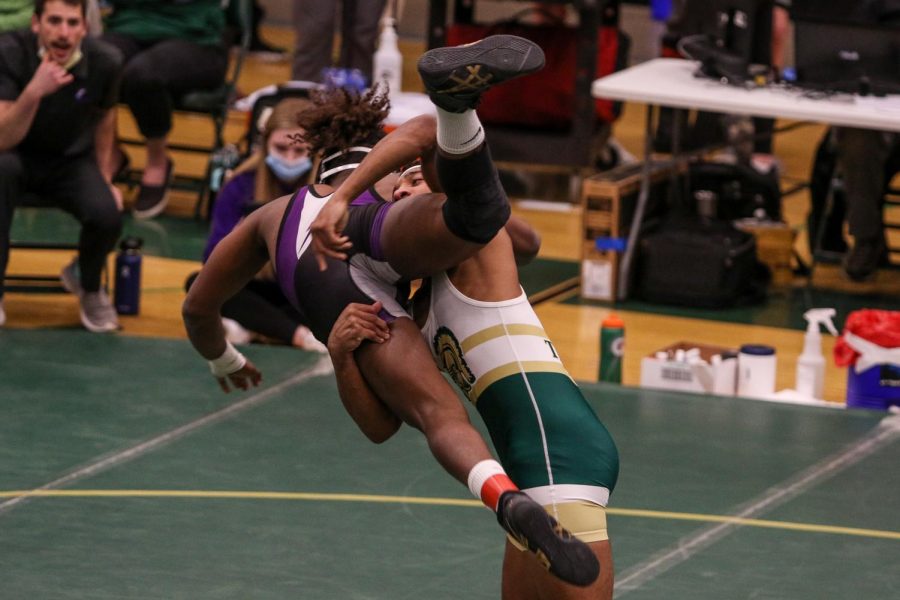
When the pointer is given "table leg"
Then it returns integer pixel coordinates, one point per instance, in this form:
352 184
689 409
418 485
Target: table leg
643 197
437 23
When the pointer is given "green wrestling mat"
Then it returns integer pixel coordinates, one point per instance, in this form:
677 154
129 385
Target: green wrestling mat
145 481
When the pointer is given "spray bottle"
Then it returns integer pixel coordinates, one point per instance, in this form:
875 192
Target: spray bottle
387 65
811 363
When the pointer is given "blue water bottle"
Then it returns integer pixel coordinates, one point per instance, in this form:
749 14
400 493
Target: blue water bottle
128 276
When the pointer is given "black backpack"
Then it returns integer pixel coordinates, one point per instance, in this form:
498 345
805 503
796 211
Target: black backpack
700 263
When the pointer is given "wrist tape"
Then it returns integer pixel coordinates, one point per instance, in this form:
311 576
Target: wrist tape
230 361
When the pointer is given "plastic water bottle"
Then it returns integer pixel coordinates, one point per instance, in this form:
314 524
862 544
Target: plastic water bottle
128 276
387 64
221 161
612 349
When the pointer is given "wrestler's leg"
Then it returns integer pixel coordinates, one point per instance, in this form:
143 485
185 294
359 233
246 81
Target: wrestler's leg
402 373
422 236
426 234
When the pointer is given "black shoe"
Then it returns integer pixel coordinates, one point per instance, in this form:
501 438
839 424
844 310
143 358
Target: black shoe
456 77
565 556
865 258
265 52
258 44
152 199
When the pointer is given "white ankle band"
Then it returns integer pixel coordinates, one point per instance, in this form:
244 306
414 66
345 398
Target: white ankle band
458 133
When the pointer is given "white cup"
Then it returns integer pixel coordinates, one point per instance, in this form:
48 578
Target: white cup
756 371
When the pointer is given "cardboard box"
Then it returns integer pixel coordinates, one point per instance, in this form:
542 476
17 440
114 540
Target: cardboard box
708 377
598 278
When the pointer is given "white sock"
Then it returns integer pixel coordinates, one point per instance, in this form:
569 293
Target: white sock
488 481
458 133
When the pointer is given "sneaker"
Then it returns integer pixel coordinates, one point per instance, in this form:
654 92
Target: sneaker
305 340
235 332
97 312
455 77
152 199
562 554
71 278
865 258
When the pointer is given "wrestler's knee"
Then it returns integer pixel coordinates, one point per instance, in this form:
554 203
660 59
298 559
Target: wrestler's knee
479 217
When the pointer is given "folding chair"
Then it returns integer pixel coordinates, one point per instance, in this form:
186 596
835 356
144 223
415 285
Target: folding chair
26 282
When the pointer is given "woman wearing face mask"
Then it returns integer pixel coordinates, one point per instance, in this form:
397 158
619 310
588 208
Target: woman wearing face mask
278 167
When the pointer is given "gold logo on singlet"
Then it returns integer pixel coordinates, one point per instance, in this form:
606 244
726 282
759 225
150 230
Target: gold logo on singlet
450 359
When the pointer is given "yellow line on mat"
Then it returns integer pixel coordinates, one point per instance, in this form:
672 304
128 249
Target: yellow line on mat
812 527
309 496
241 495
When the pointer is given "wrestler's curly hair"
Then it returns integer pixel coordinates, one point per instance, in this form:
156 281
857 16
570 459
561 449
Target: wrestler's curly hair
341 118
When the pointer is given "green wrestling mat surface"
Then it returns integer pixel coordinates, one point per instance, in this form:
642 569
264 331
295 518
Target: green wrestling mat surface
150 483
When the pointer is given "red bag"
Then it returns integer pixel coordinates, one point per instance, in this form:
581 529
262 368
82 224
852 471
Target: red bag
880 327
545 99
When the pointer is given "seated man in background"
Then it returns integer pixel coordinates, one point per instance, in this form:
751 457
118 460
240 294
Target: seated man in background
57 116
170 48
863 156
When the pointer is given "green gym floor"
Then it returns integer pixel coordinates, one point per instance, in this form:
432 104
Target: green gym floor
128 475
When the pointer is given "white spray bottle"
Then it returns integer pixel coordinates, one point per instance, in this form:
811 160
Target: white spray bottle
811 363
388 62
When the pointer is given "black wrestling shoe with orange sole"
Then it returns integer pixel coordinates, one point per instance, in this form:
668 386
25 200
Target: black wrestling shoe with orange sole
455 77
561 553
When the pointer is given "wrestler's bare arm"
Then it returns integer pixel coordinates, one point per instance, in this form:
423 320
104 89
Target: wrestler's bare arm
233 263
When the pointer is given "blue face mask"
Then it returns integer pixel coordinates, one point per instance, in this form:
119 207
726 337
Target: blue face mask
288 171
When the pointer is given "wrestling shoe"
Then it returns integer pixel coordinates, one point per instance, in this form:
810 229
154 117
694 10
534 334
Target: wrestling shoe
455 77
561 553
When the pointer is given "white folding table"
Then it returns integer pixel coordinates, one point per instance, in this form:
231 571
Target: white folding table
671 82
